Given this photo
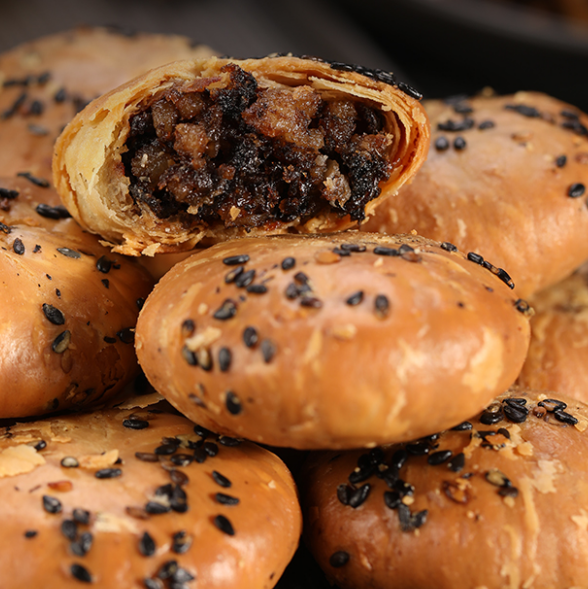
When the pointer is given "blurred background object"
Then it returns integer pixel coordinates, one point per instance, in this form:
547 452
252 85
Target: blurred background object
441 47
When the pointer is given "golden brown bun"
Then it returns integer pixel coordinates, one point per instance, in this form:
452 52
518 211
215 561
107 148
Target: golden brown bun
68 309
266 521
94 184
374 349
81 64
503 195
558 352
515 516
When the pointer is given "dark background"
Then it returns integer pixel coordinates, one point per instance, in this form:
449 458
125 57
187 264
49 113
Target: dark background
441 47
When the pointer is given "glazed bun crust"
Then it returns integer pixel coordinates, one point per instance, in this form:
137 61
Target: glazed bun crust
558 350
505 194
266 521
60 74
68 314
461 529
336 351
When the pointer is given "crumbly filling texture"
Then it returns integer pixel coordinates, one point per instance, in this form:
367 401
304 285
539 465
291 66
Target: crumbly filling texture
241 155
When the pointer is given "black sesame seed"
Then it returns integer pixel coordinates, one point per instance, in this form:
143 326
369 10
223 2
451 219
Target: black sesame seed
53 314
459 143
108 473
228 441
522 109
457 462
353 247
152 583
343 492
516 414
61 342
236 260
301 278
210 448
40 445
418 519
221 480
256 289
392 499
80 573
441 143
83 544
51 504
508 491
224 359
225 499
574 191
69 462
204 358
69 529
156 508
386 251
226 311
168 569
439 457
180 578
178 477
522 306
232 403
30 533
36 181
311 302
181 542
339 559
182 459
126 335
224 525
418 448
491 417
382 306
561 161
503 432
189 356
8 193
288 263
358 496
245 279
463 426
105 282
234 274
355 299
202 431
166 449
399 458
291 291
147 545
82 516
476 258
486 125
250 336
18 246
146 456
552 405
404 517
49 212
407 89
135 423
565 417
455 126
268 350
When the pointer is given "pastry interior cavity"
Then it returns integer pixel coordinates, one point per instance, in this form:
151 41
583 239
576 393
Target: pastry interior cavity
226 151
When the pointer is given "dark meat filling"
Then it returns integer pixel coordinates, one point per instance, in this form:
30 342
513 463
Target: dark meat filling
245 156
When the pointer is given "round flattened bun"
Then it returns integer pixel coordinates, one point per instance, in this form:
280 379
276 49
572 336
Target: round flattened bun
45 82
212 149
499 502
506 179
134 498
68 312
333 341
558 351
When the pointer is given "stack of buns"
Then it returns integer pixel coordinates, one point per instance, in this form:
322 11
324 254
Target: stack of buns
346 270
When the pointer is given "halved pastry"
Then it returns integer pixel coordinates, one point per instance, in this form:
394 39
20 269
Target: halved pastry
219 148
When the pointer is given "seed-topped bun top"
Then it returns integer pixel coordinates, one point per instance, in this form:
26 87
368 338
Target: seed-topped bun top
332 341
506 176
219 148
140 497
500 500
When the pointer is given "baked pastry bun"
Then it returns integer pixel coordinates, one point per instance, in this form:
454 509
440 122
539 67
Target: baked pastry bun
135 498
558 351
68 312
499 501
506 176
45 82
333 341
219 148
